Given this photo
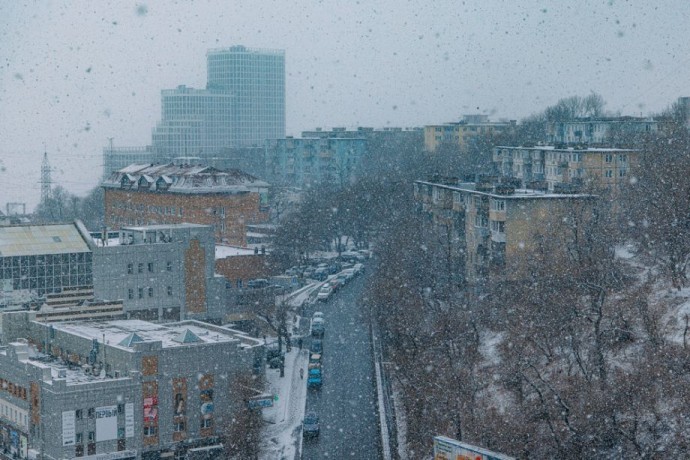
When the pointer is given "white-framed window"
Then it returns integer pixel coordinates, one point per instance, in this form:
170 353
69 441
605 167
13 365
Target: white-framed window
498 226
498 205
609 173
608 158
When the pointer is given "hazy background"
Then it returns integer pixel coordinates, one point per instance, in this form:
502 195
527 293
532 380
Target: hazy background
76 73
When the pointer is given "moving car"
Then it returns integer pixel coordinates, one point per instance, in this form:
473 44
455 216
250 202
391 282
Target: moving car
310 425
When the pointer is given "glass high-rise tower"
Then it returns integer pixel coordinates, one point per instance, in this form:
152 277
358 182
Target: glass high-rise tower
242 106
256 78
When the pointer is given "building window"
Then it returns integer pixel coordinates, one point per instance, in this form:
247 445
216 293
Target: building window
150 292
141 293
149 431
92 436
206 423
130 269
121 445
79 414
150 267
168 266
91 414
622 173
140 268
130 294
170 290
79 438
239 284
120 408
79 451
499 205
609 173
179 426
91 449
608 158
498 226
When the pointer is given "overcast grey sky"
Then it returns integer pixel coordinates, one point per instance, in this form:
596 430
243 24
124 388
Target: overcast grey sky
76 73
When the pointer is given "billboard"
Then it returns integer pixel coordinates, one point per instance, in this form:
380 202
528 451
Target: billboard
106 423
68 428
450 449
151 409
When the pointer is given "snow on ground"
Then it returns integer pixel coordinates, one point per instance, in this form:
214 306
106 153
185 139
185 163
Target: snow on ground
282 432
488 347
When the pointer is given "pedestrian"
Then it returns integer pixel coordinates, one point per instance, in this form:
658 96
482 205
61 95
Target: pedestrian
301 372
299 343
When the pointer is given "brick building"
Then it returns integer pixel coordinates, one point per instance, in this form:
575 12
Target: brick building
173 194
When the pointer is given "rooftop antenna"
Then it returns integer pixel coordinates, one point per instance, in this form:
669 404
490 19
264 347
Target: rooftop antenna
46 183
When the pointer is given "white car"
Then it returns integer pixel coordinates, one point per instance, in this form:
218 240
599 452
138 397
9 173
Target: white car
324 293
317 315
349 273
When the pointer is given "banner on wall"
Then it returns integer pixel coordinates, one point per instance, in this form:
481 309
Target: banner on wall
106 423
68 428
129 420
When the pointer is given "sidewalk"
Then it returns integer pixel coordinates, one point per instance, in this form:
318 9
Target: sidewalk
282 433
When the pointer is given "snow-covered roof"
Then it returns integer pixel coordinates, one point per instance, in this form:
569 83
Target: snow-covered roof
185 178
125 333
223 251
32 240
568 149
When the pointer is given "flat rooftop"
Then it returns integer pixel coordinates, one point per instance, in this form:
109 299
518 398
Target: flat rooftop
124 333
35 240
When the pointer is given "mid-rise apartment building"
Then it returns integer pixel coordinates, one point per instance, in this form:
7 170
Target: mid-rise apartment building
124 389
460 133
154 194
600 130
607 167
494 226
309 161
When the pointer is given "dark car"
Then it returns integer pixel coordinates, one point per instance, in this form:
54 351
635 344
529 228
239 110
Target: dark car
310 425
314 378
316 346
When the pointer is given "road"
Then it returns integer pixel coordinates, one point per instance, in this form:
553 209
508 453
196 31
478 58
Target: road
346 404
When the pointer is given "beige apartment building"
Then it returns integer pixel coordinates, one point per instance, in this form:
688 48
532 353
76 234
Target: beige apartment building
495 226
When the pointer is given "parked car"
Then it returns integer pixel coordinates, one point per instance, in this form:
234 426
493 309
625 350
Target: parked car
318 328
308 272
316 315
316 346
359 268
314 379
314 361
324 293
310 425
257 283
321 273
341 279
